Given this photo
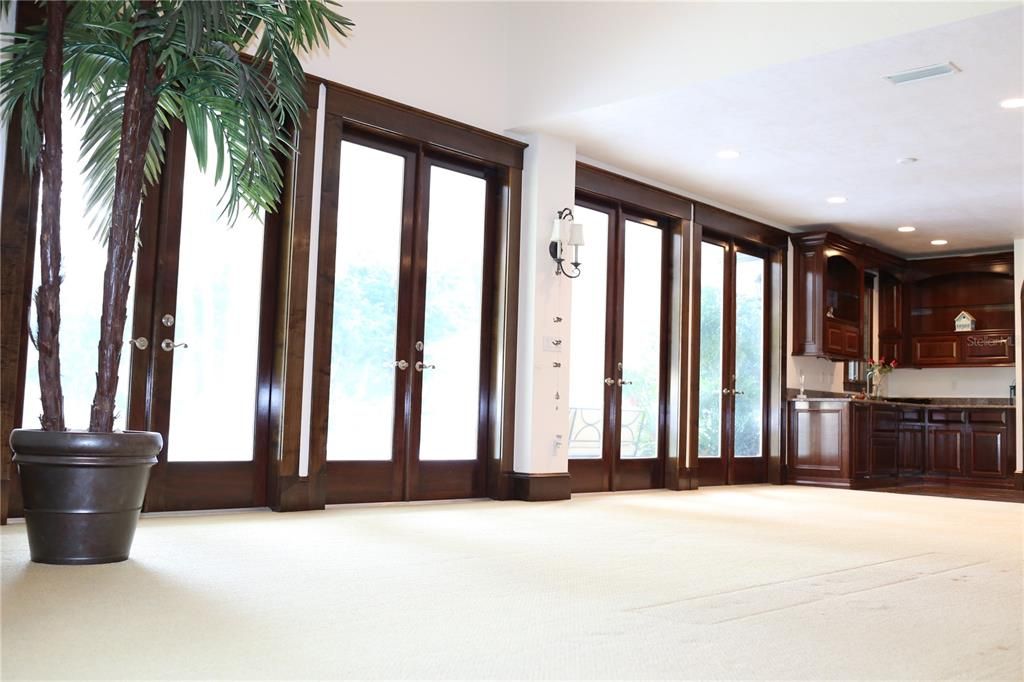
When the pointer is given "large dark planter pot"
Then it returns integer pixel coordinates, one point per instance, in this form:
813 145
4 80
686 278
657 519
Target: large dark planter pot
83 492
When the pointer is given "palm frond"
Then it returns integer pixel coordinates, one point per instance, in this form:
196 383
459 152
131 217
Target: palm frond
239 111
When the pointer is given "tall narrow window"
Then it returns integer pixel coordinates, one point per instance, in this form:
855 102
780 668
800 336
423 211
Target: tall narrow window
587 333
641 341
748 415
712 318
213 390
451 337
366 271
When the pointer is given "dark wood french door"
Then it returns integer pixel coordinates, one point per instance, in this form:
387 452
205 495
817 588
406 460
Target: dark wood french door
734 367
196 362
617 352
405 280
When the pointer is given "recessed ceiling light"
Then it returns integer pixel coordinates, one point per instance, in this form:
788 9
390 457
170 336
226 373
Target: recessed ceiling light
906 160
836 200
905 228
728 154
939 242
1012 103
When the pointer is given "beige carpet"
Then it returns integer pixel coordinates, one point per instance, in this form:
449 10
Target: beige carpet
746 582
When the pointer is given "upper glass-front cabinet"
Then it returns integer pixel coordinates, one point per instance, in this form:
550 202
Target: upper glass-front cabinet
828 289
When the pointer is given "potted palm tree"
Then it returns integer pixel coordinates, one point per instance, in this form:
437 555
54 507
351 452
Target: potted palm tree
126 68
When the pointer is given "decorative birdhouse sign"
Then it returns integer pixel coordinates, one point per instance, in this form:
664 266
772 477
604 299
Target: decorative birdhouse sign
964 322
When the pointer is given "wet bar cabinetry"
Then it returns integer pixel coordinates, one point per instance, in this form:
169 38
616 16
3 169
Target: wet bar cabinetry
861 444
918 302
940 289
828 287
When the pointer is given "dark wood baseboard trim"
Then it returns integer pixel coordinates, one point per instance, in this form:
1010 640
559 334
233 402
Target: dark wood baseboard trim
1018 481
688 480
299 494
1003 483
821 482
540 487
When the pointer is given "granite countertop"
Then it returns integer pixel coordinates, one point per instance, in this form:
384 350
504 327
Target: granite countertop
955 403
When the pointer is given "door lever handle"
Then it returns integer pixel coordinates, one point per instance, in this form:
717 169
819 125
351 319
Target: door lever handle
609 382
142 343
420 366
726 391
738 393
169 345
623 382
400 364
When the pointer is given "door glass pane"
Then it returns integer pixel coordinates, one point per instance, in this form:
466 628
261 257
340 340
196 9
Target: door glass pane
587 335
641 342
455 248
81 297
749 354
712 296
365 321
213 389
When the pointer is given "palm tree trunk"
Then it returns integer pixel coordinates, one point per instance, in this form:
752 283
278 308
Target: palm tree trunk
136 127
50 163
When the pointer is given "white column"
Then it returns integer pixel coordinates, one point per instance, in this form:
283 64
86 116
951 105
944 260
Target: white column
542 419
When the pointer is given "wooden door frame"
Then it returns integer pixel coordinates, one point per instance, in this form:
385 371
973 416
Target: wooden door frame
595 475
292 489
723 470
360 480
176 486
410 477
607 474
738 464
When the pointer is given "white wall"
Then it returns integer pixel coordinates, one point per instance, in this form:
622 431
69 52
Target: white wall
542 420
962 382
447 58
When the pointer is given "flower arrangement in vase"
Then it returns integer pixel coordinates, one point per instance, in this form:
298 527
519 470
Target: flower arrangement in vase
877 370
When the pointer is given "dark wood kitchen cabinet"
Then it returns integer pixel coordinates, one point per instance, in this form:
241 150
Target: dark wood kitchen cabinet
989 445
861 444
918 302
891 314
911 445
942 288
828 290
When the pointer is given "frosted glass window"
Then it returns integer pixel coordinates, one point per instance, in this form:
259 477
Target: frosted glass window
712 299
748 414
641 342
214 382
366 268
587 334
451 341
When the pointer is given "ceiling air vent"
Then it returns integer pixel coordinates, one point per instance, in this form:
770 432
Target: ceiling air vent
922 72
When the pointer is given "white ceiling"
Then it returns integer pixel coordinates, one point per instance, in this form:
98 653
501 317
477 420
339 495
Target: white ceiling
829 124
